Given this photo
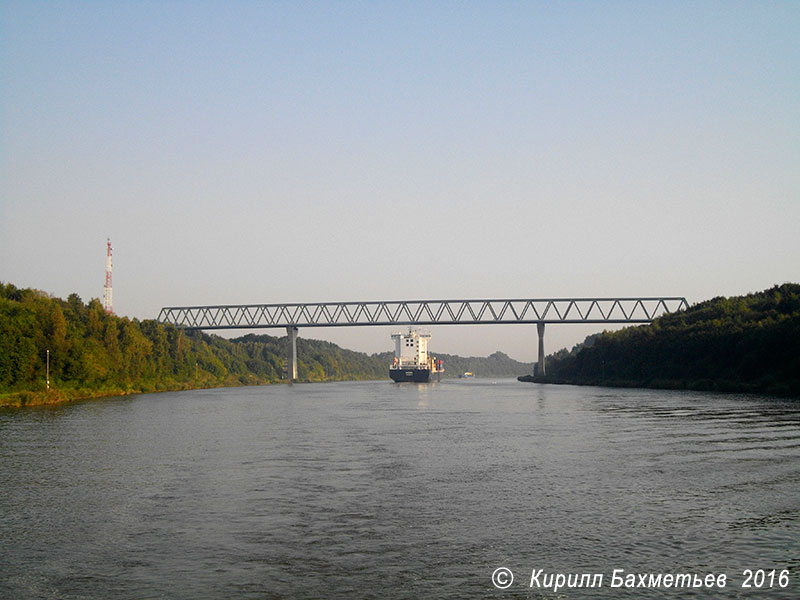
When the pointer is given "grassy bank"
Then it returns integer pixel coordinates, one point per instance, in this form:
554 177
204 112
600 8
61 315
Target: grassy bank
61 396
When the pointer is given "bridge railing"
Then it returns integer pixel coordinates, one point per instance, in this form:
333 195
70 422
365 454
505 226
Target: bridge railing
423 312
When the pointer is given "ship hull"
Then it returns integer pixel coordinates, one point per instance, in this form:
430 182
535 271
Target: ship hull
413 375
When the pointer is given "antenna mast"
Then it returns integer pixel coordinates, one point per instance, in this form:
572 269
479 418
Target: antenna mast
107 295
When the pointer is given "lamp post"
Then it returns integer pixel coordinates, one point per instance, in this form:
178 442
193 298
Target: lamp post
48 370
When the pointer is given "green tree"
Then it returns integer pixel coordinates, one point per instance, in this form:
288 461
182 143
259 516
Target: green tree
111 343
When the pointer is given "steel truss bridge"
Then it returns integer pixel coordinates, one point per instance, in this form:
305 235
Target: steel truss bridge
421 312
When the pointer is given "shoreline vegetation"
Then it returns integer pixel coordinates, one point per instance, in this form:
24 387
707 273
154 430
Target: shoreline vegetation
741 344
93 354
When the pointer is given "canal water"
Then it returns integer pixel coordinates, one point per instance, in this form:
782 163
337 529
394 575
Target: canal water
379 490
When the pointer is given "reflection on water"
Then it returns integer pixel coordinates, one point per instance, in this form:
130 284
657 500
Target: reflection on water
384 490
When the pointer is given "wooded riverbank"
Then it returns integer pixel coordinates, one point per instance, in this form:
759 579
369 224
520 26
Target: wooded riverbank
748 344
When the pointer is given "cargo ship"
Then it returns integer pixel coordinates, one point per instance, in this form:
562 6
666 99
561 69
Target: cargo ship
411 359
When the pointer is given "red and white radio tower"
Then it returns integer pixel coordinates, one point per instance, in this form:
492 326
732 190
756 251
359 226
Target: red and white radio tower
107 295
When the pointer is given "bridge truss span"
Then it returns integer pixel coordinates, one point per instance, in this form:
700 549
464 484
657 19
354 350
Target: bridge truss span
423 312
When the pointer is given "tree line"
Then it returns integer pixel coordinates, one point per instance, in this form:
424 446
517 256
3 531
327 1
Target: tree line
92 352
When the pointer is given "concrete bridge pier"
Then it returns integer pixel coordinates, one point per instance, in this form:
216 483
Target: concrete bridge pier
541 366
291 358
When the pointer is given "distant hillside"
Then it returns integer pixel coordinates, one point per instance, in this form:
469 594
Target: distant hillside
96 354
494 365
317 360
348 364
743 344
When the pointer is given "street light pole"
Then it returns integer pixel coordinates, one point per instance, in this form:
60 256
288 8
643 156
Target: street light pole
48 370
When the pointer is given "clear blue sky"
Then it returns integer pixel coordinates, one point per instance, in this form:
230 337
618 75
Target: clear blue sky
287 151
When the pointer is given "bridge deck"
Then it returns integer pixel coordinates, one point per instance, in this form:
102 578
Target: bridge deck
422 312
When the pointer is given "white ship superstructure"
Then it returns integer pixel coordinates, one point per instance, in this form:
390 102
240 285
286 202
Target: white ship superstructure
411 359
